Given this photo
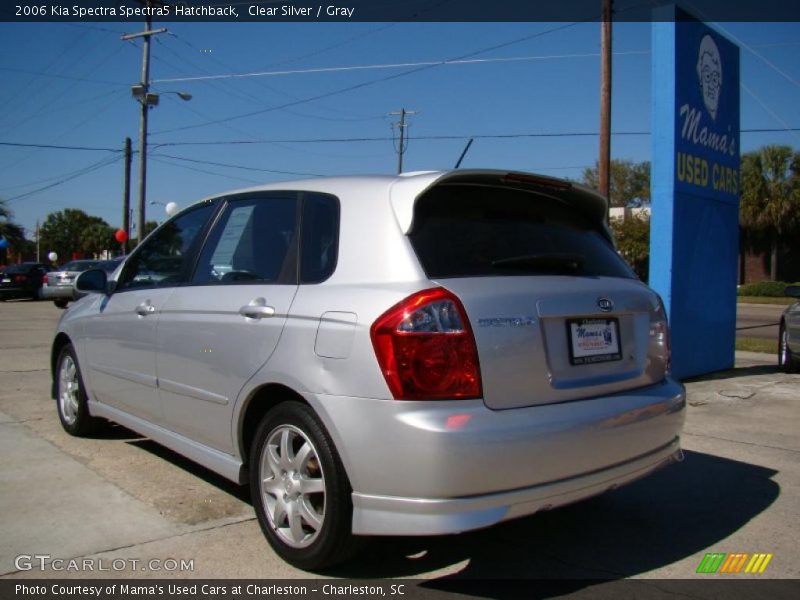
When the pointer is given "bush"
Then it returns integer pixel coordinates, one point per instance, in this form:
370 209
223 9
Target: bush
632 236
773 289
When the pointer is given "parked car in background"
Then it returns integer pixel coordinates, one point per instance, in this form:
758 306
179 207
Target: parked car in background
421 354
789 333
23 280
58 286
109 266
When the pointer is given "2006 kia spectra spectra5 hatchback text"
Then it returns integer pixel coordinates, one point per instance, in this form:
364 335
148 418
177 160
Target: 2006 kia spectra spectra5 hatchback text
414 355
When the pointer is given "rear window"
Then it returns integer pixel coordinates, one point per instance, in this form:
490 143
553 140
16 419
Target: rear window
474 231
23 268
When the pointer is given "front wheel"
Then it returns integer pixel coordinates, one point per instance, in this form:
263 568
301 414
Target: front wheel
73 411
786 359
300 491
61 303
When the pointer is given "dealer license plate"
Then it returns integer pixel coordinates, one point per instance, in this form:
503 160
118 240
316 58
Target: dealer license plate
6 280
593 341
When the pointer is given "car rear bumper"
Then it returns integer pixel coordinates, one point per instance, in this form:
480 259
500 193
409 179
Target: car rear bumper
57 291
14 292
383 515
445 467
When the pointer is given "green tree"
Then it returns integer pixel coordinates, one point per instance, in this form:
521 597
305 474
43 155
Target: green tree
72 230
629 180
632 235
770 195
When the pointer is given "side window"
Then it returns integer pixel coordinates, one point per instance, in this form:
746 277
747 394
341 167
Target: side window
163 260
254 242
320 243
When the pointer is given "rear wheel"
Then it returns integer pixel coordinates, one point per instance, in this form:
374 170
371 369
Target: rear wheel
300 491
73 411
786 358
61 303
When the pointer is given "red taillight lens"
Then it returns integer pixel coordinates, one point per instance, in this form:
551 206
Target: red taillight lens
426 349
19 278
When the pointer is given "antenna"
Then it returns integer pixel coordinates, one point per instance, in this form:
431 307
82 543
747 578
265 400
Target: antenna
464 153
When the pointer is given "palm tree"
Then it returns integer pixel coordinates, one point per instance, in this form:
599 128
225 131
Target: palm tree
771 195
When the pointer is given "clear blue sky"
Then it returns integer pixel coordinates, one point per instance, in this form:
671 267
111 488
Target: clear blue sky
69 84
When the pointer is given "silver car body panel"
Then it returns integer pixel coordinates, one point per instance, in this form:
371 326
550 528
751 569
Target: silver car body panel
791 318
182 365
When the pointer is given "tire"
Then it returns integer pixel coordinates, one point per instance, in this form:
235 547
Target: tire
73 411
786 359
300 490
61 303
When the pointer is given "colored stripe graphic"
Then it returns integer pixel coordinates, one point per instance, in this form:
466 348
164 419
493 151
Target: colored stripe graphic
735 562
711 563
758 563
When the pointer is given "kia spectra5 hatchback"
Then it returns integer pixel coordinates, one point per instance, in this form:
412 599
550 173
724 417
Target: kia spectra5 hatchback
421 354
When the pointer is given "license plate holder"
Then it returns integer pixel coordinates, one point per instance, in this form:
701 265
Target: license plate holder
593 340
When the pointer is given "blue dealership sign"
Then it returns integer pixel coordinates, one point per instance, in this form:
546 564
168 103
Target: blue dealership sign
694 237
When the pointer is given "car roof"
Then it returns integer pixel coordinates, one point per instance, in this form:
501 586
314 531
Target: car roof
402 190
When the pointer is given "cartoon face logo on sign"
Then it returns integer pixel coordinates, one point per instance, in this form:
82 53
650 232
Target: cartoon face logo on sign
709 72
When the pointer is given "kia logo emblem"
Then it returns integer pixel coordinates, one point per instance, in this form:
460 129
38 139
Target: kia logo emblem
605 304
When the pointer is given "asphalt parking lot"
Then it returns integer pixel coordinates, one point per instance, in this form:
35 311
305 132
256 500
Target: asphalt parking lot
119 496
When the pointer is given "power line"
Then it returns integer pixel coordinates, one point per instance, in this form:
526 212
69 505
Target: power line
79 173
70 77
204 171
372 139
219 164
402 65
371 82
55 147
254 99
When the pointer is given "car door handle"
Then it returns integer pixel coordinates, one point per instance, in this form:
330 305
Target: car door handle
145 308
257 309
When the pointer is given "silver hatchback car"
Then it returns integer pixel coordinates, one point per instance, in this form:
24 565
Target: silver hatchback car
420 354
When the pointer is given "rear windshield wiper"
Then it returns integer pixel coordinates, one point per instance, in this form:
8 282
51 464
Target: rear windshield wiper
550 261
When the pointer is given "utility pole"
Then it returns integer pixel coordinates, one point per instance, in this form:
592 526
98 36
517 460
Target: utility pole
38 242
142 93
604 160
126 196
401 149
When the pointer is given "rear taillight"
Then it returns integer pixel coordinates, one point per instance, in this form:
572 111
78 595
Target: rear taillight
19 278
659 334
426 349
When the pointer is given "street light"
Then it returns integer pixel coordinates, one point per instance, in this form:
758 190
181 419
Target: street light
147 99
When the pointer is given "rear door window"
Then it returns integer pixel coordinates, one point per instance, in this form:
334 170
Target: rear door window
254 242
320 237
474 231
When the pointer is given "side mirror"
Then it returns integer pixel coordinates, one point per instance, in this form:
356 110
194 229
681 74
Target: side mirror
793 291
92 281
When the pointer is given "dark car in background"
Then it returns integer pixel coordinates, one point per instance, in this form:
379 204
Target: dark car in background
59 286
23 280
